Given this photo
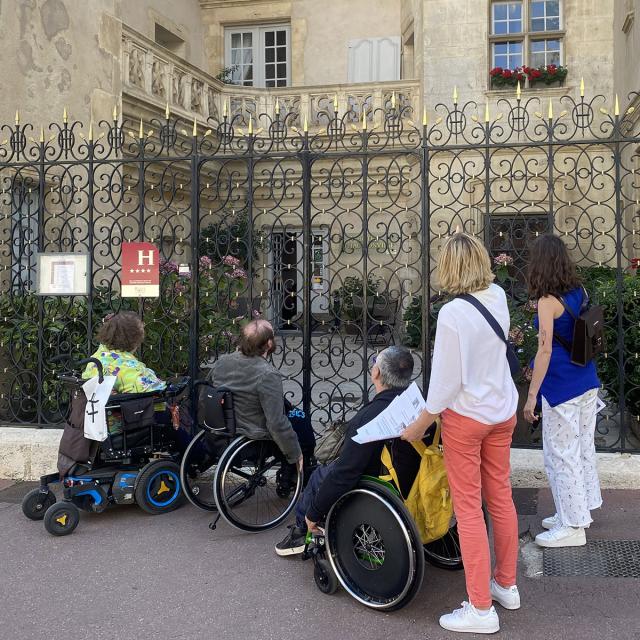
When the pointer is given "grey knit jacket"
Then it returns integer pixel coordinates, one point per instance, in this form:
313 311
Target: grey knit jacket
258 399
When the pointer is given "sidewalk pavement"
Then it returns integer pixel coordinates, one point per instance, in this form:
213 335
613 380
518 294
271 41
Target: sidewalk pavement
124 574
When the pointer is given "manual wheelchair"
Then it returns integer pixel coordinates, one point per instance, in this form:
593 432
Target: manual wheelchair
247 482
137 463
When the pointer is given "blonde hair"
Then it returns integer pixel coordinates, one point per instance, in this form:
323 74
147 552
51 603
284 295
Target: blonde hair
464 265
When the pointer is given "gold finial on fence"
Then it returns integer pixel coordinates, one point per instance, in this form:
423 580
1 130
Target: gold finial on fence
17 117
425 119
42 135
550 115
277 106
250 124
225 110
518 91
305 126
364 119
455 94
115 112
487 117
141 131
335 103
65 117
166 111
582 87
194 132
91 130
393 99
616 109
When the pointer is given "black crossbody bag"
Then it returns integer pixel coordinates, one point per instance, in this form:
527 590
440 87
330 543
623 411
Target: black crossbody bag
512 356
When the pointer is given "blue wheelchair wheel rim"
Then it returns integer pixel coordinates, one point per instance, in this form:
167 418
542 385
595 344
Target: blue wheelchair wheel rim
174 494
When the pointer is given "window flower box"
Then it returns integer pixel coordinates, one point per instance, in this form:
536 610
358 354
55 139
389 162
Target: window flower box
549 75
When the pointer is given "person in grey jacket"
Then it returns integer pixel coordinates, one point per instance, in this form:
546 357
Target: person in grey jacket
258 396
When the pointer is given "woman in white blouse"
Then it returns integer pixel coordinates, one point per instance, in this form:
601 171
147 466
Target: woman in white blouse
471 388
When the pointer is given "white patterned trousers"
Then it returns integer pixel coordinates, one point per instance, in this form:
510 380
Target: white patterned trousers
568 431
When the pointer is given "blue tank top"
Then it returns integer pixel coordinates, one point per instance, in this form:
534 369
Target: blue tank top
565 380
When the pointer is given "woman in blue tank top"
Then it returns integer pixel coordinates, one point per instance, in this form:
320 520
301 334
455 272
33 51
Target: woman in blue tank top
568 394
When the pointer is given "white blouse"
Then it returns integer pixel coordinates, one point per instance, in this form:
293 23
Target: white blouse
470 373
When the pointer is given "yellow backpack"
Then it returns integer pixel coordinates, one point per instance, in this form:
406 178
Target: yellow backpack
429 500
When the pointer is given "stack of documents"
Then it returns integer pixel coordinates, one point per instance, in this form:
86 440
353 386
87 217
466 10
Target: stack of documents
402 411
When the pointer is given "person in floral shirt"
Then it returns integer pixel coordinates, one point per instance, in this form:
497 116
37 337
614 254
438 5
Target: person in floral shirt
120 335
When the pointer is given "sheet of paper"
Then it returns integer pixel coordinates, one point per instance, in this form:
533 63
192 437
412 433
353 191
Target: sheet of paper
391 422
95 419
600 405
63 275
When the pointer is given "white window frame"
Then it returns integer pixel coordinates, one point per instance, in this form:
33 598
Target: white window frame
507 21
527 36
259 58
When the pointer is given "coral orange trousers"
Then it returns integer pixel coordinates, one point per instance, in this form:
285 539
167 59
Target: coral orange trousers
476 456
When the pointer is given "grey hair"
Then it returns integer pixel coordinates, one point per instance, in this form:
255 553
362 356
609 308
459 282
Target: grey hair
396 367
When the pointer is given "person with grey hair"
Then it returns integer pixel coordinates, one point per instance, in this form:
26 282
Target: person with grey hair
391 372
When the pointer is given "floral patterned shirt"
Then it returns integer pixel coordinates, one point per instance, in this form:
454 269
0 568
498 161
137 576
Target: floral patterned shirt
132 376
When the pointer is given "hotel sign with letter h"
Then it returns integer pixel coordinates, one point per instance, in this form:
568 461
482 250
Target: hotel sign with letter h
140 273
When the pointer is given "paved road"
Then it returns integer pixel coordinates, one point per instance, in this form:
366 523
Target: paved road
126 575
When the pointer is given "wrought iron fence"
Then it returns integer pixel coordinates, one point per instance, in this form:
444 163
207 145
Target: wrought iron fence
330 232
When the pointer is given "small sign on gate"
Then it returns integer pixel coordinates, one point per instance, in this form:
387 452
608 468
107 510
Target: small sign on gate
140 270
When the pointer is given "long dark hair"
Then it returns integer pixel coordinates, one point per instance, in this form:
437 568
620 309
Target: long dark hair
551 271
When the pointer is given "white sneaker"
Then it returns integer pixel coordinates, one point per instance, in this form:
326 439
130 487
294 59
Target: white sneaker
508 597
469 620
551 522
562 537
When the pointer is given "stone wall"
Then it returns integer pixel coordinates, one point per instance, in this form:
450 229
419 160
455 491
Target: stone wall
60 53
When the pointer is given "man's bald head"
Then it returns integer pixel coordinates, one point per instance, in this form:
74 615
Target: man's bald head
257 338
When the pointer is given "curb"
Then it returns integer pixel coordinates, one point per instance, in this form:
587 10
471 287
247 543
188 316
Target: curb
26 454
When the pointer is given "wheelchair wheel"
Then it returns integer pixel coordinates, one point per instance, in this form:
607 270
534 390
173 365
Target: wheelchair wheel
61 518
445 553
197 470
324 576
36 503
157 487
254 487
374 547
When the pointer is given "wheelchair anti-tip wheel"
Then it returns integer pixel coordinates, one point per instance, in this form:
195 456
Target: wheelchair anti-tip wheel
36 503
324 576
374 547
255 488
61 518
157 487
197 470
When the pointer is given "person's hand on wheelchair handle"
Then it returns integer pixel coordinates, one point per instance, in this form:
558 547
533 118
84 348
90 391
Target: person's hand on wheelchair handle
300 463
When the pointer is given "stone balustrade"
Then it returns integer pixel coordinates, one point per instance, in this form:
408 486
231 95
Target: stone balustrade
156 76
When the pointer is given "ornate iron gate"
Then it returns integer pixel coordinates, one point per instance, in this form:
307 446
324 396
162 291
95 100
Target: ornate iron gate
332 234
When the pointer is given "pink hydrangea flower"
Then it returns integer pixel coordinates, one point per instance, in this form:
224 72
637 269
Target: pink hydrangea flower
168 266
503 260
230 261
205 262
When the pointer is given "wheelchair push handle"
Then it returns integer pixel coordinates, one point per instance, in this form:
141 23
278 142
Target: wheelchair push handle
78 364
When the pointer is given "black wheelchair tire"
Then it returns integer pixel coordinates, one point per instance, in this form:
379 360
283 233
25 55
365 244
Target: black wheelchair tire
36 503
147 492
378 508
445 553
185 478
324 576
61 518
234 451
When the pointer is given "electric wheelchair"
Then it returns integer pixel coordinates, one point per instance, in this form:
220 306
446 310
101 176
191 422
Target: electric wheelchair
137 463
247 482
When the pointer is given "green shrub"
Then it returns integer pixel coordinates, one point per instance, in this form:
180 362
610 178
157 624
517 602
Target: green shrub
348 298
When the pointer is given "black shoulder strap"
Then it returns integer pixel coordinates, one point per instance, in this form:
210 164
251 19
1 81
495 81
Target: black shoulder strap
493 323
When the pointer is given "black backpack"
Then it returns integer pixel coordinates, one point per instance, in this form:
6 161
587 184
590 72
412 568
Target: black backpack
588 332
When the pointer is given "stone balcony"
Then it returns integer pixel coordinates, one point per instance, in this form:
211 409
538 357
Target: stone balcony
153 77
